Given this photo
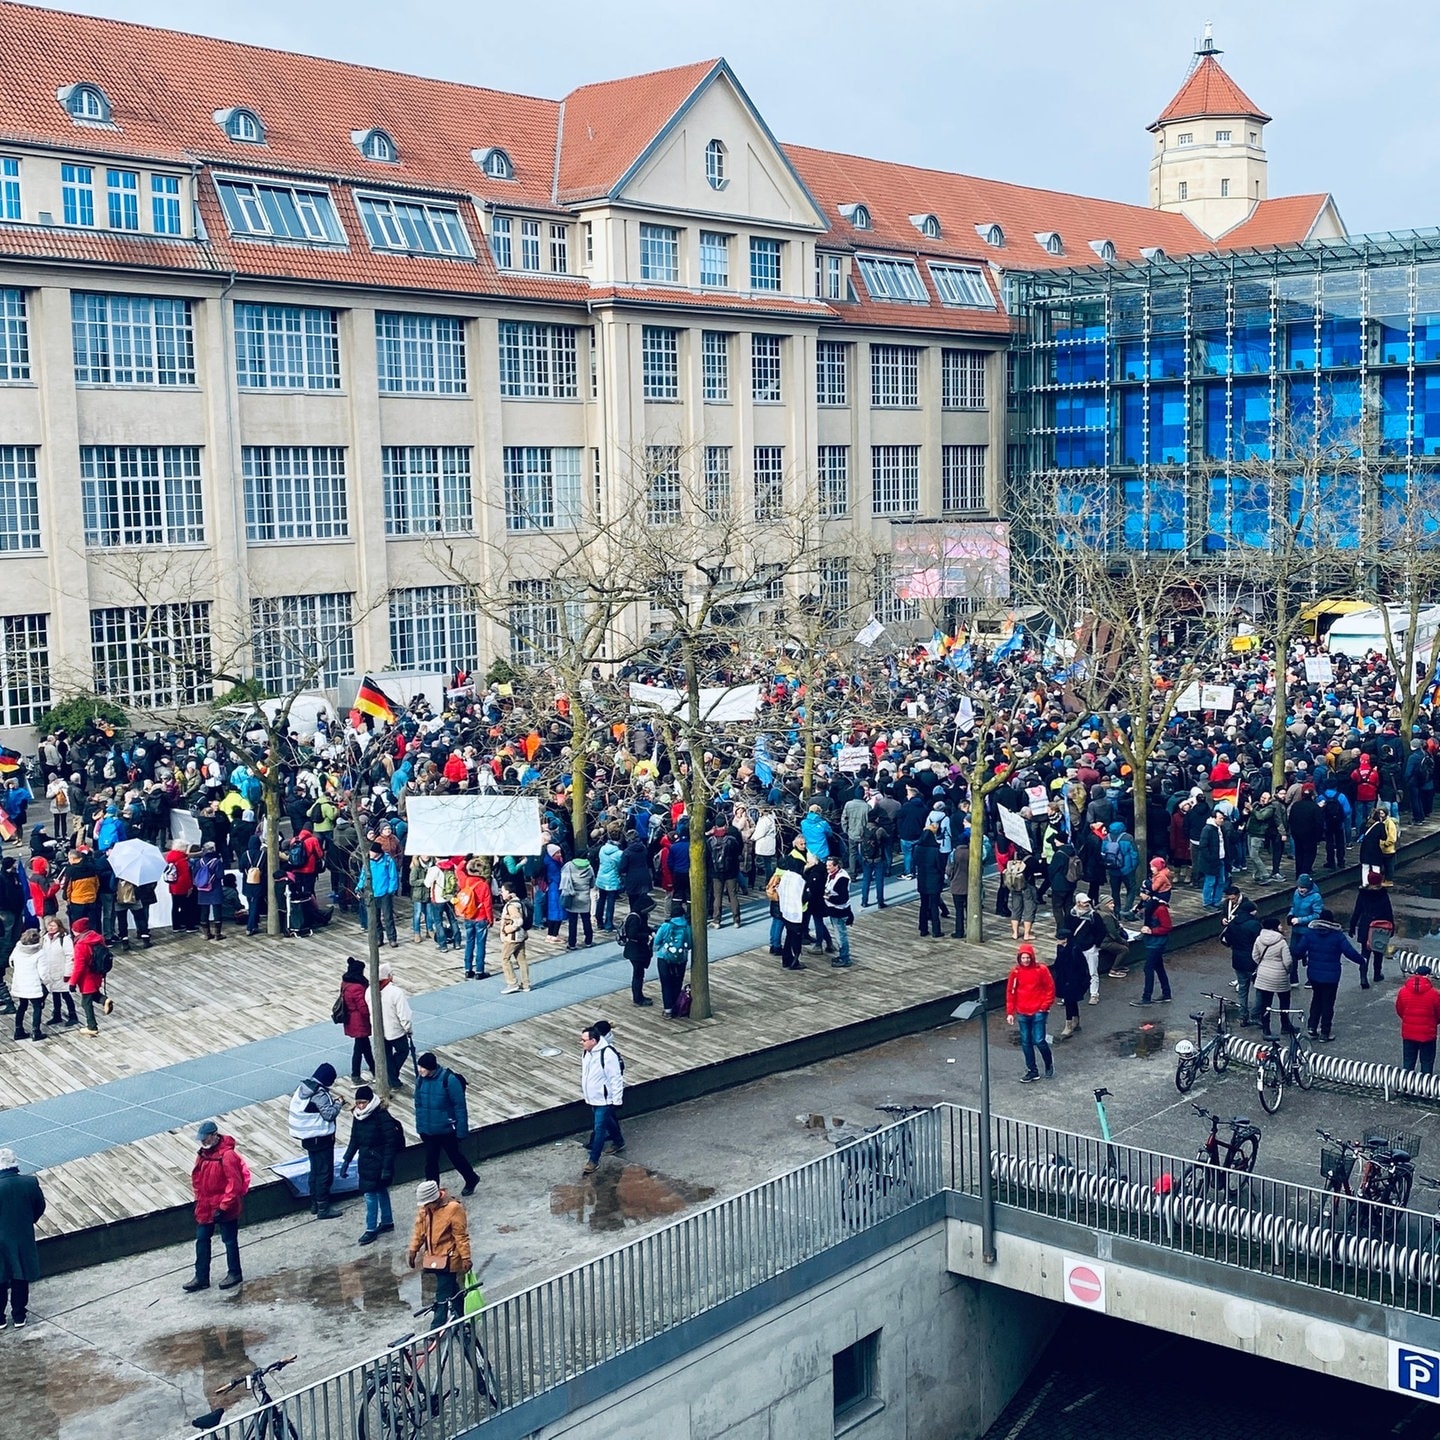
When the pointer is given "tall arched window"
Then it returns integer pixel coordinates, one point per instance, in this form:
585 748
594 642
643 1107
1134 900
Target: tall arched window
715 165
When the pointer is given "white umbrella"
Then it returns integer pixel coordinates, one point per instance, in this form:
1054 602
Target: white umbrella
137 861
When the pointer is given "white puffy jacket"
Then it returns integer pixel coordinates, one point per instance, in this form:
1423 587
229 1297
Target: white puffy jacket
57 959
602 1081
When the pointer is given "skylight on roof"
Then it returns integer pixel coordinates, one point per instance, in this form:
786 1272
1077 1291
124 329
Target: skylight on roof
1105 249
889 278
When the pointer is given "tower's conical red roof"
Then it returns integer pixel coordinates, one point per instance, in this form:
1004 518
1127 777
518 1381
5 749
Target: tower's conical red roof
1207 91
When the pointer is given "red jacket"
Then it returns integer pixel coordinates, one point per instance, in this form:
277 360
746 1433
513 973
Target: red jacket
182 883
83 974
1030 990
218 1182
455 769
356 998
1417 1003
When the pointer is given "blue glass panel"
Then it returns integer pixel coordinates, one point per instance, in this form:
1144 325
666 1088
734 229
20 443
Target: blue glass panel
1080 355
1251 349
1167 425
1130 360
1394 487
1427 338
1394 341
1082 414
1300 346
1327 413
1214 353
1340 342
1394 407
1250 420
1085 506
1340 505
1167 357
1132 497
1215 426
1132 428
1250 511
1426 428
1167 515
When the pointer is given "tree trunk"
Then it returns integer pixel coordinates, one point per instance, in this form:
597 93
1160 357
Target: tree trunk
1139 765
975 886
698 809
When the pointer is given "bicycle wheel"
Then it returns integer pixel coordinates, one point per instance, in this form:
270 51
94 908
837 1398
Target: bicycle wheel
1221 1058
485 1376
391 1410
1303 1069
1270 1083
1400 1190
1185 1071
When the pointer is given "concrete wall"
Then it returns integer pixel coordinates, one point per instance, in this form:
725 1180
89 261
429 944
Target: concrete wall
951 1354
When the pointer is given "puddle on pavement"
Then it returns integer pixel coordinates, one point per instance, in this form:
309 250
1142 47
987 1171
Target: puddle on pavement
1140 1043
218 1352
367 1284
619 1195
43 1387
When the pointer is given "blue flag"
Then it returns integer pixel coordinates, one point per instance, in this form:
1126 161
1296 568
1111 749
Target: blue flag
1010 645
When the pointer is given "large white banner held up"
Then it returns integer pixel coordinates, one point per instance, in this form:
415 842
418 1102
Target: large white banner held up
718 703
473 825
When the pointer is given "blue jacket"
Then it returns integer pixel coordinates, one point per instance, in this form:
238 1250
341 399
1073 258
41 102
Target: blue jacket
383 878
607 874
1322 944
1307 907
816 831
440 1104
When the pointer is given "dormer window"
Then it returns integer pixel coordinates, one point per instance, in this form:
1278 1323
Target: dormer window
857 215
715 165
494 162
927 225
1051 241
1105 249
991 234
85 103
376 145
1153 253
241 124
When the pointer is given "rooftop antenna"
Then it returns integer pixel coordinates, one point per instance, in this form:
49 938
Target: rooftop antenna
1206 47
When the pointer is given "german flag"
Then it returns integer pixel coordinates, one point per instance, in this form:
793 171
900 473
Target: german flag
372 700
10 761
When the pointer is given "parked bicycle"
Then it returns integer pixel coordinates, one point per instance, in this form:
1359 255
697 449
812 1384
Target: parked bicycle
1214 1170
1287 1058
413 1382
877 1175
1195 1057
1373 1210
269 1422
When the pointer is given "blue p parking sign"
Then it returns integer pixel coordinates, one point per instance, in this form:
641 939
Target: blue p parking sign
1414 1372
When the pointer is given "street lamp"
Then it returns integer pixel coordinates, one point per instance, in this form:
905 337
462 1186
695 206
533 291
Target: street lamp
973 1003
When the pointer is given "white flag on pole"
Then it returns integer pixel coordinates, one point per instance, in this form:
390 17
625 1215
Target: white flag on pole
871 633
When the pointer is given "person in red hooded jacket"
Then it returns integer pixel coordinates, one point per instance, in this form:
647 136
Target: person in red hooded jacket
84 976
1029 994
1417 1003
219 1180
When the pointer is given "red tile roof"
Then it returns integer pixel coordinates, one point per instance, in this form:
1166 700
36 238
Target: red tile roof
1285 220
1208 90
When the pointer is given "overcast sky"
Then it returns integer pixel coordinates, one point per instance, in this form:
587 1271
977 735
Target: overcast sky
1045 92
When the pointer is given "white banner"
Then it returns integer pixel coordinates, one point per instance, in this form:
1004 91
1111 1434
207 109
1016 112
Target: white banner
1039 801
473 825
719 704
1319 670
871 633
1015 828
1206 697
852 759
184 828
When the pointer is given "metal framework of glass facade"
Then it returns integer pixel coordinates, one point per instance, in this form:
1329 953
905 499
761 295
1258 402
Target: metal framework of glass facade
1149 395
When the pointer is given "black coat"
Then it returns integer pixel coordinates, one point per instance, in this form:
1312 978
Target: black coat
1240 933
1071 972
377 1138
929 865
22 1203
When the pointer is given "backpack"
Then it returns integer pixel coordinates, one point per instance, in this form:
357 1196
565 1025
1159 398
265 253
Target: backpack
1113 853
467 903
102 962
1015 875
872 843
1073 869
337 1010
297 855
205 873
669 947
617 1055
126 894
449 885
171 873
1391 838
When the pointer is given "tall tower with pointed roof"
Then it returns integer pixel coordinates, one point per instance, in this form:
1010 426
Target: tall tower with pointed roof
1209 160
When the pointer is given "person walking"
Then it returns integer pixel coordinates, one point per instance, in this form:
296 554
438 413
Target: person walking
22 1203
837 909
636 946
512 939
1087 934
355 998
378 1139
1155 932
1210 860
1322 945
86 973
1072 980
1029 994
220 1180
1239 929
1372 921
442 1119
442 1234
313 1112
57 960
1273 963
209 877
672 954
1417 1003
27 989
602 1087
397 1023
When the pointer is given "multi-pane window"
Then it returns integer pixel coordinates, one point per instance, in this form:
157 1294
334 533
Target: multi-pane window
122 194
662 493
10 208
77 194
420 354
889 279
832 469
533 620
660 253
14 336
560 249
537 362
717 482
885 600
773 574
413 225
587 231
286 347
895 479
24 668
19 499
153 656
294 492
962 285
829 276
500 240
427 489
764 263
529 244
542 487
593 350
834 588
660 362
714 259
769 482
765 367
434 627
301 641
668 597
715 365
132 340
279 211
962 379
715 164
165 204
962 478
141 495
894 375
832 373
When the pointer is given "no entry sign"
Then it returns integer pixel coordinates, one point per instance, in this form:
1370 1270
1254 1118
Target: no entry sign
1084 1283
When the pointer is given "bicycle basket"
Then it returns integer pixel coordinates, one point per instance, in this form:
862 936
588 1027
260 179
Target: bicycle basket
1336 1163
1395 1139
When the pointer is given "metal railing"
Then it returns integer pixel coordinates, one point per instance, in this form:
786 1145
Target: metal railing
1299 1233
550 1333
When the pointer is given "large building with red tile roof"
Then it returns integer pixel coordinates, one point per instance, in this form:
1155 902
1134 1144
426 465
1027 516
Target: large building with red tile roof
293 351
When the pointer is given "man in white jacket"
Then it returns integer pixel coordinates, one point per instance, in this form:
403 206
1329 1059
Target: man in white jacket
602 1087
313 1112
396 1022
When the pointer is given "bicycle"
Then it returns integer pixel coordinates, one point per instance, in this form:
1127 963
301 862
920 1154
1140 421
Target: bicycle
1385 1181
269 1422
878 1176
1276 1061
1194 1057
400 1401
1241 1152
